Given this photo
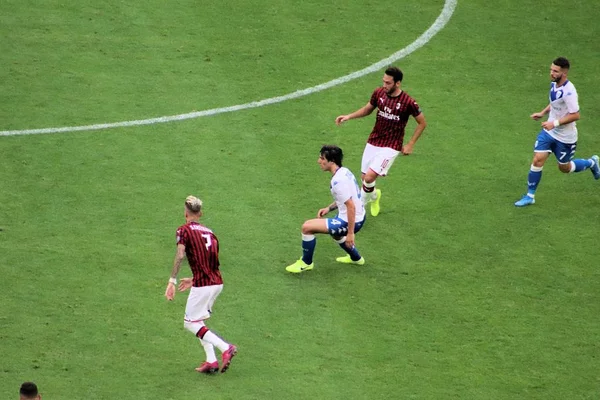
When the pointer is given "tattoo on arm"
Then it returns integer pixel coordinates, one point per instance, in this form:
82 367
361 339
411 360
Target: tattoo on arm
332 207
179 256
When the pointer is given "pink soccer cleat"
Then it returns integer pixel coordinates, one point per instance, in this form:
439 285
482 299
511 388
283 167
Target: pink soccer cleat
227 356
208 368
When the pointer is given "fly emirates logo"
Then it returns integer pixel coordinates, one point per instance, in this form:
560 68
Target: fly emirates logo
387 114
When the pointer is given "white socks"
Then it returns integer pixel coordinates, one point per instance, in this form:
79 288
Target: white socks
215 341
368 196
209 349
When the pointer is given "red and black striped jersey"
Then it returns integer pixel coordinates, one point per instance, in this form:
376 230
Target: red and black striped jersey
392 117
202 251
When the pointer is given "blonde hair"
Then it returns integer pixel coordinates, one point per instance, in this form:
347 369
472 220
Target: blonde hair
193 204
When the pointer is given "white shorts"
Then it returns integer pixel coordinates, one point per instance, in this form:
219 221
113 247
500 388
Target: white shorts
200 302
379 159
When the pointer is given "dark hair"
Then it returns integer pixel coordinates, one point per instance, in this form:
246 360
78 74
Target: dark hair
562 62
28 389
332 153
395 73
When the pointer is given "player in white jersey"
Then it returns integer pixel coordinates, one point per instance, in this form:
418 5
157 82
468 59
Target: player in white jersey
348 221
559 132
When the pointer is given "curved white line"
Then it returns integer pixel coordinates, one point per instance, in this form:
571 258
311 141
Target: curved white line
440 22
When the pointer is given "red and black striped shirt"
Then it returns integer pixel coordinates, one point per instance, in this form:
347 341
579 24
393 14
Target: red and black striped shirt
392 117
202 251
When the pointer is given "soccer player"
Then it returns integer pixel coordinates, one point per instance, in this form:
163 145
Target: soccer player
559 132
29 391
386 139
201 247
342 227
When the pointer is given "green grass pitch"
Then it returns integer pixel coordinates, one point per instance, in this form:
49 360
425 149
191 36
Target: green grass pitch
463 296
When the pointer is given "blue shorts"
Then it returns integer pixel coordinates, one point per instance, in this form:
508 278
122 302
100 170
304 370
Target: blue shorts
564 152
338 227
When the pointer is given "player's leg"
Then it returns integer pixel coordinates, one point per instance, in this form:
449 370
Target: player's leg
373 194
353 256
309 242
205 334
231 351
197 310
211 364
542 149
565 152
227 350
369 179
368 176
380 165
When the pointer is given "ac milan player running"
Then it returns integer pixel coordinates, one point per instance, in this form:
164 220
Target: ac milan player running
386 139
201 247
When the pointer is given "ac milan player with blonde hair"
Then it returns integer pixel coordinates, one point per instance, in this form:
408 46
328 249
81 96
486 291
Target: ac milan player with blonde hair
386 139
201 247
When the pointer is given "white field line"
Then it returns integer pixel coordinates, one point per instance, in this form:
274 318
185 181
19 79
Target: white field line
440 22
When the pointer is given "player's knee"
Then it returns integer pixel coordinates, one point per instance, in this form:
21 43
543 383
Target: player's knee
369 179
565 168
306 228
539 159
193 327
538 162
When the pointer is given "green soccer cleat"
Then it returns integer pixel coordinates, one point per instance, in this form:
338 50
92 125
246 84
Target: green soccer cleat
348 260
299 266
375 204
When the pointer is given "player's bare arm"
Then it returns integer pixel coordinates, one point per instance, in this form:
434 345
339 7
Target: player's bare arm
351 221
179 256
567 119
361 112
421 125
541 114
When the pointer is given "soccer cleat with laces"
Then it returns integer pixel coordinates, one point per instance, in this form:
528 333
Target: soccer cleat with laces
348 260
375 203
227 356
596 167
525 201
299 266
208 368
